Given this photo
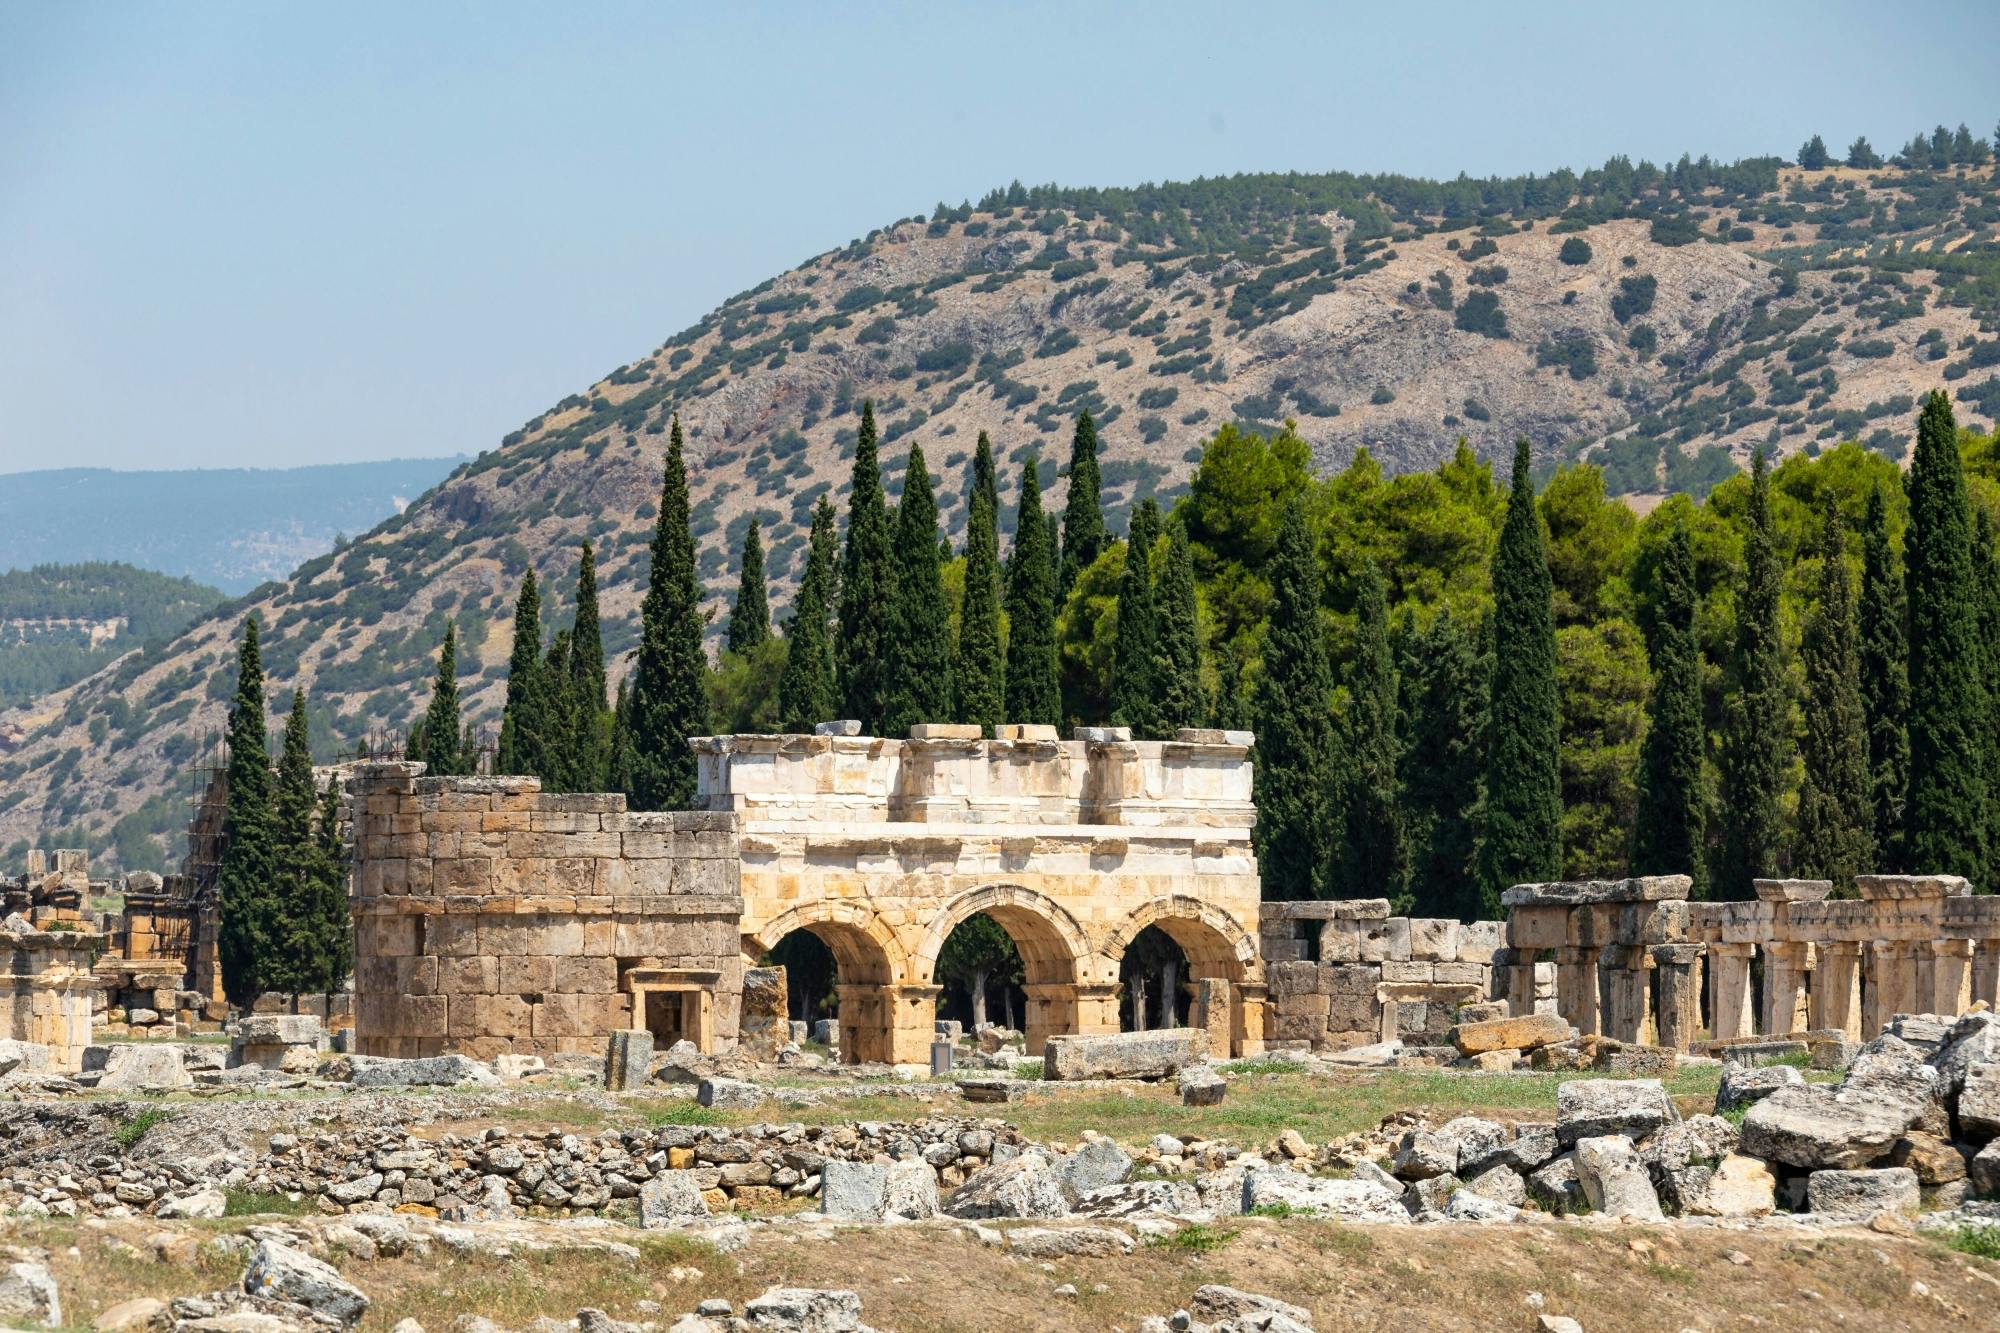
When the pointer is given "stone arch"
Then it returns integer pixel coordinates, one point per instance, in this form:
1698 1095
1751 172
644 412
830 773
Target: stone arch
873 968
1222 962
1055 953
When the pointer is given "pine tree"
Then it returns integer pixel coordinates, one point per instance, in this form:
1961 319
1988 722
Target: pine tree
867 589
1177 653
1294 754
587 682
669 703
327 955
1885 683
1944 817
518 725
1756 731
1368 857
1135 680
1443 763
750 618
251 933
805 689
1521 841
294 855
1034 691
978 670
442 755
1836 838
918 654
1669 828
1083 535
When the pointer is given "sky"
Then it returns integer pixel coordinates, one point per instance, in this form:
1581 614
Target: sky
245 234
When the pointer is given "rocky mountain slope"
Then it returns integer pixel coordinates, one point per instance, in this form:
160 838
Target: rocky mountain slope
1660 323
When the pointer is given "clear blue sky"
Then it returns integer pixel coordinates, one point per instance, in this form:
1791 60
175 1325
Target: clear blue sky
272 234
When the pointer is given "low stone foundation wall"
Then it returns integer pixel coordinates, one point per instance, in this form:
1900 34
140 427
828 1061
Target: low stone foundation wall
1346 973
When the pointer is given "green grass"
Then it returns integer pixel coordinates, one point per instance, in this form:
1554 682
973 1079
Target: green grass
1246 1068
684 1113
134 1129
1033 1069
1979 1242
1194 1238
251 1203
1280 1209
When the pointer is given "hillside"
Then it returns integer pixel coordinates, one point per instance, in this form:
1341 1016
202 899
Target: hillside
59 623
232 528
1659 322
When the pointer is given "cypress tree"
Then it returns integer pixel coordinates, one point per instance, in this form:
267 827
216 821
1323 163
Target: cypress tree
750 618
251 931
1885 682
1135 682
1368 859
1177 654
560 760
443 754
1756 731
1443 764
978 671
1232 708
1836 838
329 957
1521 840
1986 571
1294 754
867 589
293 805
618 759
805 688
669 703
518 724
1669 828
918 654
586 670
1034 692
1944 817
1083 535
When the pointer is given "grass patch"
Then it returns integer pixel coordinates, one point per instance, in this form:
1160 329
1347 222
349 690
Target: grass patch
683 1113
1979 1242
1033 1069
1194 1238
135 1128
1279 1209
1247 1068
556 1111
252 1203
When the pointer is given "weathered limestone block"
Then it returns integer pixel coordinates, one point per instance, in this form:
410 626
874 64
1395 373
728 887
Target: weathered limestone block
1346 1200
1862 1194
1614 1180
1150 1055
1812 1128
1510 1034
1592 1108
627 1055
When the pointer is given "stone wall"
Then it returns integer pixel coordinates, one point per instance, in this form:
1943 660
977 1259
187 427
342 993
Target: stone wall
46 988
1346 973
493 917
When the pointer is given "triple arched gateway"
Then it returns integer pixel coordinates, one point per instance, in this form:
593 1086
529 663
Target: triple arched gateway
491 916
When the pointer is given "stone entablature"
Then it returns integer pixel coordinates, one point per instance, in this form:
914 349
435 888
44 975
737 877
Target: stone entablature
493 917
881 847
46 987
1630 955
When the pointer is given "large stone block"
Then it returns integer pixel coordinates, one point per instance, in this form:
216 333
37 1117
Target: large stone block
1510 1034
1862 1194
1148 1055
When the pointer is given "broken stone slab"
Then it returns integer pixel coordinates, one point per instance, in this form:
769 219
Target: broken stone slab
1738 1187
1530 1146
1979 1102
1424 1153
1139 1198
1555 1183
1026 1186
208 1203
1095 1165
909 1190
628 1055
729 1094
1879 888
1468 1205
1744 1084
1812 1127
27 1057
1593 1107
1425 1200
1935 1160
1581 893
1792 890
1084 1242
1200 1085
1500 1184
1525 1033
806 1309
989 1090
27 1292
1614 1180
279 1272
433 1071
1973 1040
853 1191
1214 1303
1346 1200
279 1030
1146 1055
131 1068
1862 1194
671 1197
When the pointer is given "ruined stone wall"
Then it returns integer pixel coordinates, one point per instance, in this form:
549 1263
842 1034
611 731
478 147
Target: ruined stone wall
1345 973
493 917
46 988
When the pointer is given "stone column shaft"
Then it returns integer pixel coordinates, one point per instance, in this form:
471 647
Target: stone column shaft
1678 967
1786 964
1576 990
1836 990
1951 976
1730 996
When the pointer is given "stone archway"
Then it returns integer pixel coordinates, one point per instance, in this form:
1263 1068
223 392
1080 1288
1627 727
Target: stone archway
876 1002
1055 957
1223 966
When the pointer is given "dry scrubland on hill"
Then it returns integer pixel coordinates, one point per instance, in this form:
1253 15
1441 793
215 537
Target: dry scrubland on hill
1705 320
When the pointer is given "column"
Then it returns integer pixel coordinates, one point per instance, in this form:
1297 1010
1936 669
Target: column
1836 990
1785 968
1893 991
1729 971
1576 989
1051 1013
1249 1003
1986 973
864 1027
1214 1013
912 1020
1951 976
1678 967
1096 1008
1514 978
1627 994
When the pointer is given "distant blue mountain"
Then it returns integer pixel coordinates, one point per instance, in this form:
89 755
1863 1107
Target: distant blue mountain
232 528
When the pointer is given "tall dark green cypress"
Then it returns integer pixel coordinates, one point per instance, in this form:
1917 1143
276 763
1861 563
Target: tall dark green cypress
750 618
1232 708
919 651
1986 570
1669 831
1368 855
1836 834
1034 691
978 672
1885 682
1521 838
587 683
1083 535
1443 765
518 724
1756 748
559 760
669 704
1135 682
618 760
1944 818
1294 709
251 932
867 589
1177 653
443 753
326 952
805 688
294 803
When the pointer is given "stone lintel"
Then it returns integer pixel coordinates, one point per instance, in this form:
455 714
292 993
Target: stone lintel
1583 893
945 731
1792 890
1876 888
1242 740
1025 731
1102 735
